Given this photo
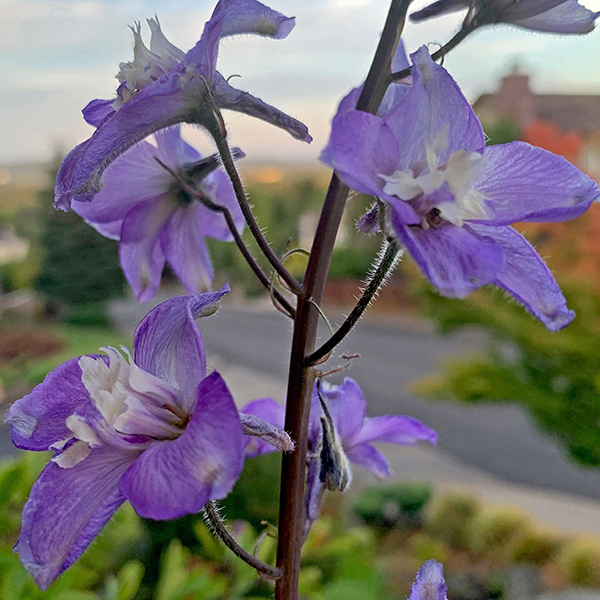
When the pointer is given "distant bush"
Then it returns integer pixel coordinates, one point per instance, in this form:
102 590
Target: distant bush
391 506
89 314
581 561
451 520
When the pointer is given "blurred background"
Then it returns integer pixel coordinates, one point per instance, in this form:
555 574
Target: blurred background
510 499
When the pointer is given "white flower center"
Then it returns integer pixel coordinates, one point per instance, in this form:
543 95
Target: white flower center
442 193
147 64
135 408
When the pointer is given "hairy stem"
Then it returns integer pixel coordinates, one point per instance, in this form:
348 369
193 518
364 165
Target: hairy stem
386 263
445 49
287 308
301 378
211 512
263 244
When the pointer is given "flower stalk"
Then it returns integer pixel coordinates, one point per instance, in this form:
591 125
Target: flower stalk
383 267
219 529
301 377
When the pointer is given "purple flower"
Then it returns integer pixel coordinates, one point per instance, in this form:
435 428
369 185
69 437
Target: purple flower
430 584
153 429
555 16
344 433
450 199
163 86
156 220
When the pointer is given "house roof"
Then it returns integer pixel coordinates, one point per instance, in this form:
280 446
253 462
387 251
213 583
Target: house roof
515 101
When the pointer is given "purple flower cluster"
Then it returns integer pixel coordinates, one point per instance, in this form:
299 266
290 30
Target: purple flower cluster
156 220
450 199
152 428
163 86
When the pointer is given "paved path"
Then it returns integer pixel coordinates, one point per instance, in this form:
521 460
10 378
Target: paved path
492 450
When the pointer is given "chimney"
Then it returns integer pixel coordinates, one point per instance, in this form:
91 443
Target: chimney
514 100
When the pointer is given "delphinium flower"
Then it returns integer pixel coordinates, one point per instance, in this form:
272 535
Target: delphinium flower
151 428
555 16
163 86
450 200
339 432
429 584
145 207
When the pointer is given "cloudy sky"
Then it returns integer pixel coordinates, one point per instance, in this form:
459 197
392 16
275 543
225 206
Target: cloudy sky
57 55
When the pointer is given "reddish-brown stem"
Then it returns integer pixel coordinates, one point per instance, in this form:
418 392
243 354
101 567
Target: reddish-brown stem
300 382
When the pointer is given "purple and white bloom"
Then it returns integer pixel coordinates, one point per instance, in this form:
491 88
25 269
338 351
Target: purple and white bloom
429 584
151 428
450 200
156 220
163 86
348 435
554 16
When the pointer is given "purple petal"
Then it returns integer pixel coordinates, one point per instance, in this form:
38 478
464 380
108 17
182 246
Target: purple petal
172 150
132 179
361 148
157 106
63 188
178 477
526 277
395 429
184 247
371 459
525 183
66 510
231 98
429 584
252 17
457 260
97 110
142 259
167 342
567 17
270 411
433 103
440 7
314 491
347 407
38 420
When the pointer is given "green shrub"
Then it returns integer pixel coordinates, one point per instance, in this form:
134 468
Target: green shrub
91 314
498 533
451 520
537 548
387 507
580 559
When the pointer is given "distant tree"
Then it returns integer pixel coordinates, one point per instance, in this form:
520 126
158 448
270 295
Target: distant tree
503 132
79 266
556 376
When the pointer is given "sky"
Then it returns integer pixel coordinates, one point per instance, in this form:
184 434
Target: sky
57 55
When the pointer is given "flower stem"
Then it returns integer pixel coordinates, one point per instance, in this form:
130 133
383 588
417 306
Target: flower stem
445 49
263 244
218 527
301 378
386 263
287 308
